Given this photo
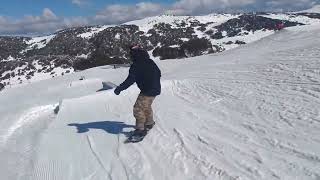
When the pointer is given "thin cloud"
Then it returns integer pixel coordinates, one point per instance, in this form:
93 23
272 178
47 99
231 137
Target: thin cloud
79 2
290 4
45 23
124 13
191 7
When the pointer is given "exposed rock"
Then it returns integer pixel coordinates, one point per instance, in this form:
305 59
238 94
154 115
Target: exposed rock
234 27
11 46
240 42
197 47
169 52
310 15
1 86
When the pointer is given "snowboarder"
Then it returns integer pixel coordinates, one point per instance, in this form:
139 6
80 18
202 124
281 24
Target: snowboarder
146 74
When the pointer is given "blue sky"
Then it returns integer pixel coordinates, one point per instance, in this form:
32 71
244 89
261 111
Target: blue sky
66 8
34 17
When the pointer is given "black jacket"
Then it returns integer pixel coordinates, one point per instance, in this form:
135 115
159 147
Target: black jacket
144 72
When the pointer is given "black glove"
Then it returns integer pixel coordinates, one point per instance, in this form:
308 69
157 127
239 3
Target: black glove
117 91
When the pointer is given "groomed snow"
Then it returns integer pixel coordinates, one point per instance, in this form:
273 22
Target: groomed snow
249 113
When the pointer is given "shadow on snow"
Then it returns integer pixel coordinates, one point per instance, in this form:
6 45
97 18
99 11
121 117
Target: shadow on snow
112 127
107 86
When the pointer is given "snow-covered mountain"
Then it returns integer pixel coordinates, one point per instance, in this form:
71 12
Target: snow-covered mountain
314 9
24 59
250 113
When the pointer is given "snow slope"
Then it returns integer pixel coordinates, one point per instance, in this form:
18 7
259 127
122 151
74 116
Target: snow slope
248 113
292 18
38 42
93 31
147 23
314 9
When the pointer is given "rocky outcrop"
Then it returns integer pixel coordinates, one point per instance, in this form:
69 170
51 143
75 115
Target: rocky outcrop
1 86
310 15
12 46
246 23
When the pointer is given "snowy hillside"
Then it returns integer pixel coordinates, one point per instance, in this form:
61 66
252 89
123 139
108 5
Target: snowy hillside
214 19
314 9
25 60
249 113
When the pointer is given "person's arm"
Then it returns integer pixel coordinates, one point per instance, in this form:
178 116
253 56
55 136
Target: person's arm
131 79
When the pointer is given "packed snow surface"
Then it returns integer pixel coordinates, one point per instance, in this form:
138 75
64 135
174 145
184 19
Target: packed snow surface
249 113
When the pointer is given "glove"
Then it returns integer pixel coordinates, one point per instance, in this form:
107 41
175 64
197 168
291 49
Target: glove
117 91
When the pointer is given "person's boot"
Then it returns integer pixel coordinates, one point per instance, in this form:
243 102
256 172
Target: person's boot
137 135
149 127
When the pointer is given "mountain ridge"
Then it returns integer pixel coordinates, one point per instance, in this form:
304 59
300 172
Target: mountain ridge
26 59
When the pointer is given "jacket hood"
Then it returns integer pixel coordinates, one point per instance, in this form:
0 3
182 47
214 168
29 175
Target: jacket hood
139 55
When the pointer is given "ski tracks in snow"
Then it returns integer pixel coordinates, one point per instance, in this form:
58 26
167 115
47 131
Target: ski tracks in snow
233 121
27 118
95 154
264 110
32 122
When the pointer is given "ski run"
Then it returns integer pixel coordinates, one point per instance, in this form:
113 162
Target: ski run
250 113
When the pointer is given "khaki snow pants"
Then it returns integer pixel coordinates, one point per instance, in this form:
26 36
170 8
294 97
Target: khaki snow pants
142 111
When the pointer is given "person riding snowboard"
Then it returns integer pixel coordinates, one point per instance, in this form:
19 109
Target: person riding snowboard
146 74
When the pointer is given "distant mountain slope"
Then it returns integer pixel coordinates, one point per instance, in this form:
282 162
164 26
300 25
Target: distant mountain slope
24 59
314 9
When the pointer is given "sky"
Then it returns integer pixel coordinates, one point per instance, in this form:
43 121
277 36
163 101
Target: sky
32 17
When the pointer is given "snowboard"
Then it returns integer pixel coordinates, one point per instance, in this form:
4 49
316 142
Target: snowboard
134 139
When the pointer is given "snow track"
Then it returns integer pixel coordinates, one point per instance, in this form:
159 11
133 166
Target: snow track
16 148
103 141
250 113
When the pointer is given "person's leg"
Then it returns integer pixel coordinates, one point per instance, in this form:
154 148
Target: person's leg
149 112
138 112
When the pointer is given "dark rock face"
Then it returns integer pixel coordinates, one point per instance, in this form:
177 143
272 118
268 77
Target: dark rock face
217 35
193 47
234 27
239 42
69 50
11 46
168 36
110 46
1 86
169 53
197 47
310 15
